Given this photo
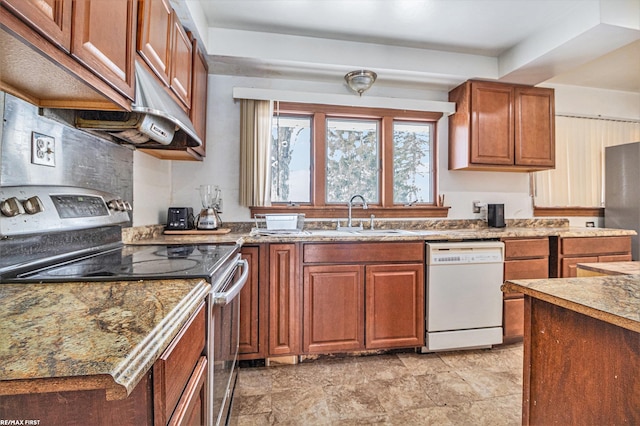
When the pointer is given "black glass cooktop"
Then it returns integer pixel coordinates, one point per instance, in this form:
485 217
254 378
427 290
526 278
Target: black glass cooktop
136 262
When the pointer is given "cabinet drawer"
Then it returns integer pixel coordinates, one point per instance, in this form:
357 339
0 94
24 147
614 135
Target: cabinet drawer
599 245
363 252
513 318
172 370
526 248
191 409
615 258
526 269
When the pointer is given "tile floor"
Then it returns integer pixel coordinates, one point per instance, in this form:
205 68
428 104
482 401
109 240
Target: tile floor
476 387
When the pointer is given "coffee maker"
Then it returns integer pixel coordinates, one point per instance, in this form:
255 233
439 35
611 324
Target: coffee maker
211 197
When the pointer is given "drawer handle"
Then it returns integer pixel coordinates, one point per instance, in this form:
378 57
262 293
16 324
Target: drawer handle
224 298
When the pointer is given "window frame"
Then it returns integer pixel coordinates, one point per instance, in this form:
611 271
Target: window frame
318 208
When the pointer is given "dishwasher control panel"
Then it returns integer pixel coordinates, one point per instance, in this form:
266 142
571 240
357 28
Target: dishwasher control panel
465 252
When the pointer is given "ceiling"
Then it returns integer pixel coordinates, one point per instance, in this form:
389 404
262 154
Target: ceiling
435 43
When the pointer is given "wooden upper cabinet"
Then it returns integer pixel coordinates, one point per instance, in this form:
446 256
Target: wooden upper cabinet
51 18
181 62
491 124
535 127
199 83
154 36
501 127
104 41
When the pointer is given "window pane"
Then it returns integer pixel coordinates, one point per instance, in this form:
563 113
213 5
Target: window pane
412 162
352 160
291 159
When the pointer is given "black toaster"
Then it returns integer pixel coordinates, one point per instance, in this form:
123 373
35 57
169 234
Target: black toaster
179 218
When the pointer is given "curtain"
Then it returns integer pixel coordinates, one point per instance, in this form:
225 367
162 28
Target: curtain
255 152
577 180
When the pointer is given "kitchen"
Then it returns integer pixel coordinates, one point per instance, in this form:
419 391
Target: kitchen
157 184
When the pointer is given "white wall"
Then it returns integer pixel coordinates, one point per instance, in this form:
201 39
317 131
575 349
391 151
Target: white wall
221 166
151 189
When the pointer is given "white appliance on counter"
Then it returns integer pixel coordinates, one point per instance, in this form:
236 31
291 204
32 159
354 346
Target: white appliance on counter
463 296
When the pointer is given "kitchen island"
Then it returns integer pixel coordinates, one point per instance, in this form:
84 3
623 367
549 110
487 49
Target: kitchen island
88 341
581 350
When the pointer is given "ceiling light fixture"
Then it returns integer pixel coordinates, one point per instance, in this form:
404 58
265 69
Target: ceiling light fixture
360 80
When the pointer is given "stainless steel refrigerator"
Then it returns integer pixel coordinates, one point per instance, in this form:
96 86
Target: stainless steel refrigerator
622 190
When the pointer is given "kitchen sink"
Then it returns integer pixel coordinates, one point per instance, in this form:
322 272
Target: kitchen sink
370 232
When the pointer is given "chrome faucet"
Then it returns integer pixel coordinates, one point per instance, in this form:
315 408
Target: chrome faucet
350 204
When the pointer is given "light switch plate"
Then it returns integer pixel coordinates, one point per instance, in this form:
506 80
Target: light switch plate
43 149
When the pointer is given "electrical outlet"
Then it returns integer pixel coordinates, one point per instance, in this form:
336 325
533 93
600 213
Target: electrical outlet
477 206
43 150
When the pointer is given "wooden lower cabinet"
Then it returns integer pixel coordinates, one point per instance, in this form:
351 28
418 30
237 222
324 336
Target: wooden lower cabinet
284 300
578 369
568 252
254 306
525 258
394 306
362 302
333 308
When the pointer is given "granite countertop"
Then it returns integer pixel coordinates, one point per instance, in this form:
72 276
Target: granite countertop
89 335
415 234
612 268
612 298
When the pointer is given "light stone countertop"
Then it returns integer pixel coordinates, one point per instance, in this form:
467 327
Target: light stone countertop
143 236
89 335
612 268
613 298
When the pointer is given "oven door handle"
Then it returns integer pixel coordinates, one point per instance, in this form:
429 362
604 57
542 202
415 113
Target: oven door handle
226 297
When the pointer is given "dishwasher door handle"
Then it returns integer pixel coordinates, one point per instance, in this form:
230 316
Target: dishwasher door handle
224 298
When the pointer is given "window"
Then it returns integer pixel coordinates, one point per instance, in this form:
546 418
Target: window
322 155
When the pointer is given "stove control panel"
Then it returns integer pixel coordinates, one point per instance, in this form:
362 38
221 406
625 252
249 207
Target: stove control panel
40 209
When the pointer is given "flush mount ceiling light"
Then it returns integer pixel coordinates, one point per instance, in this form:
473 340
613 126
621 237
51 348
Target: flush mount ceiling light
360 80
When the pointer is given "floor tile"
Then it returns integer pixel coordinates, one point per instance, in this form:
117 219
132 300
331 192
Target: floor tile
475 387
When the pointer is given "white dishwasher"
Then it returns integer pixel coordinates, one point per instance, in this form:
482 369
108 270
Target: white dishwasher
463 296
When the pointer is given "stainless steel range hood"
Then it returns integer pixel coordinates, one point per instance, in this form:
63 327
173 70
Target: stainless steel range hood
155 121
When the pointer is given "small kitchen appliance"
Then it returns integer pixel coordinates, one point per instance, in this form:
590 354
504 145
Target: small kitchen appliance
208 219
180 218
495 215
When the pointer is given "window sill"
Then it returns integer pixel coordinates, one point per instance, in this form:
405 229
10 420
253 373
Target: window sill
341 212
568 211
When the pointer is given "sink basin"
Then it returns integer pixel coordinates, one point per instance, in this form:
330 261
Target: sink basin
384 232
370 232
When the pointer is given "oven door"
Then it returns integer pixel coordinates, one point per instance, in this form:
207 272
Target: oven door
224 331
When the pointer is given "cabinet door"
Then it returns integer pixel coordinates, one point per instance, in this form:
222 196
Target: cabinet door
181 62
51 18
154 36
491 124
333 308
103 40
394 306
284 300
513 319
250 302
534 127
199 83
